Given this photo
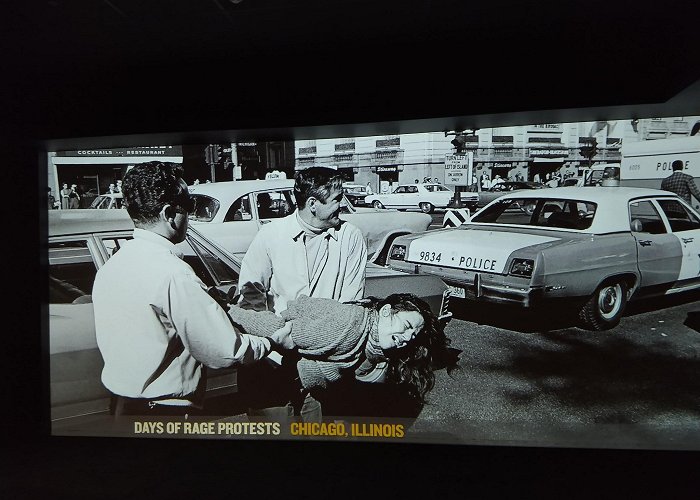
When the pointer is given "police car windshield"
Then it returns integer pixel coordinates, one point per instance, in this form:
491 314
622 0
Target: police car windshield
541 212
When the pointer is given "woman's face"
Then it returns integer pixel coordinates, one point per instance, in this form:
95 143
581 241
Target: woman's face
397 328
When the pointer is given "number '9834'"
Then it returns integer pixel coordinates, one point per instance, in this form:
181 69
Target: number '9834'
430 256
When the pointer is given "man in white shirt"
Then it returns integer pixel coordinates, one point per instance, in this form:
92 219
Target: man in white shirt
156 325
309 252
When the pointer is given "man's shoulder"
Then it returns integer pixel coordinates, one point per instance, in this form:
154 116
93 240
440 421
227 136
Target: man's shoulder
285 224
349 229
277 228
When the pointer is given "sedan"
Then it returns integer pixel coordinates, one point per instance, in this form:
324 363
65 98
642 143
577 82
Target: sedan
231 213
423 196
112 200
596 248
355 193
488 195
80 242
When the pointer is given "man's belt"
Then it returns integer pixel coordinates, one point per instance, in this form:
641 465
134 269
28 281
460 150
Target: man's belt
124 405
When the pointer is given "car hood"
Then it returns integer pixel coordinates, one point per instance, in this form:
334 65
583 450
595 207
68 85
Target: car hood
477 248
375 224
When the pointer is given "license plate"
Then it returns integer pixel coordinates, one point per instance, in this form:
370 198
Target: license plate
456 291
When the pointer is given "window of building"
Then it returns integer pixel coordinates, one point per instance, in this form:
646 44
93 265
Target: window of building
383 143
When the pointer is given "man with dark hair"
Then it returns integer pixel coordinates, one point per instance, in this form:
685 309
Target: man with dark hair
309 252
156 324
680 183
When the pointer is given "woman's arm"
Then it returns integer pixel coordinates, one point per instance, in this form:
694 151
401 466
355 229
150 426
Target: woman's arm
259 323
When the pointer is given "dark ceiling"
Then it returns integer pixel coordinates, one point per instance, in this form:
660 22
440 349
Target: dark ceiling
115 67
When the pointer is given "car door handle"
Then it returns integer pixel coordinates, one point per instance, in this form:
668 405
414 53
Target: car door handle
265 221
688 240
645 243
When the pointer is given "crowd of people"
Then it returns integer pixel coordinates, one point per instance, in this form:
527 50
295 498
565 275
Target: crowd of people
301 294
74 197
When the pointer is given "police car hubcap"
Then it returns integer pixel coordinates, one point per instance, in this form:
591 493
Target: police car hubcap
608 300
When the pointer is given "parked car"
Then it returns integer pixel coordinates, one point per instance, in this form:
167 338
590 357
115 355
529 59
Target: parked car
488 195
80 242
355 193
423 196
231 213
600 247
111 200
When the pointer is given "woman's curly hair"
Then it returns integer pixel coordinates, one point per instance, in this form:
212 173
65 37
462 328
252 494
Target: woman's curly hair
413 366
149 186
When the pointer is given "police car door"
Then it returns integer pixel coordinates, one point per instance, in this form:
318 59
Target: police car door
659 254
685 225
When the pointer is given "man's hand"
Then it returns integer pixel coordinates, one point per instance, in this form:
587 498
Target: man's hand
283 337
252 296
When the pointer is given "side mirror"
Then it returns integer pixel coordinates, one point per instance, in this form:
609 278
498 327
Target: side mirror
636 226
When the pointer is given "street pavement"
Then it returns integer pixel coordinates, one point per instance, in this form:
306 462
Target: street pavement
535 379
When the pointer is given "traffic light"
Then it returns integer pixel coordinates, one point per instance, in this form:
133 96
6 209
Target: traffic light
218 153
589 150
459 142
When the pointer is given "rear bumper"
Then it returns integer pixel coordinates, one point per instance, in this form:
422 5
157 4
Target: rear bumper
487 287
500 294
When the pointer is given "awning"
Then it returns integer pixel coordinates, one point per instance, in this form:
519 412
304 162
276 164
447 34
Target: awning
111 160
548 160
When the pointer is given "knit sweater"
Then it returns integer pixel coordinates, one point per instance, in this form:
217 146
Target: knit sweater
331 336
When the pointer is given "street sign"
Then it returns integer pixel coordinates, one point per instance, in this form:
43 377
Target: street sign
458 169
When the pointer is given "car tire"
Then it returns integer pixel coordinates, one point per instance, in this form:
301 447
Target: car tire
426 207
377 204
605 307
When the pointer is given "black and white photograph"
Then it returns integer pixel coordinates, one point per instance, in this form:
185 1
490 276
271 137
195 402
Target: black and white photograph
523 285
281 246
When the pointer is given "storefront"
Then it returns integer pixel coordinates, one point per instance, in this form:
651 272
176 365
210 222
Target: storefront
388 176
545 162
93 170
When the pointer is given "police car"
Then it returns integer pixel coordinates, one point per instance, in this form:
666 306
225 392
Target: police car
601 246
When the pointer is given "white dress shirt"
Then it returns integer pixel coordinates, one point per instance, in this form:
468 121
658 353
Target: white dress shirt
144 297
277 258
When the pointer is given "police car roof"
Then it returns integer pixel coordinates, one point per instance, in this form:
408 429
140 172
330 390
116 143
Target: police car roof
590 193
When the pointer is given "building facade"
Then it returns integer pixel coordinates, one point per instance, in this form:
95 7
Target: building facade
529 152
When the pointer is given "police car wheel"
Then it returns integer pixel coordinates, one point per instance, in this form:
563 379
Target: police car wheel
426 207
605 307
377 204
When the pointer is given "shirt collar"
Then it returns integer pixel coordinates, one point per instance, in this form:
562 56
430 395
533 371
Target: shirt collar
151 237
297 228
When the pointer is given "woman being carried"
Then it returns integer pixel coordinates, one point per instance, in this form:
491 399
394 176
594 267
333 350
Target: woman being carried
397 340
